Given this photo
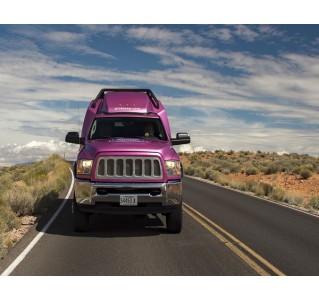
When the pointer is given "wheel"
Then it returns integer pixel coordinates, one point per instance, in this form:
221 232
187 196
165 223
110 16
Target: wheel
174 220
80 219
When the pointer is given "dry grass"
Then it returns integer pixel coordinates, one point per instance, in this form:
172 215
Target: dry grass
314 203
28 190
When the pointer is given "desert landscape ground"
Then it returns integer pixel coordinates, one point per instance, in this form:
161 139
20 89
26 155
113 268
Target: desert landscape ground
291 178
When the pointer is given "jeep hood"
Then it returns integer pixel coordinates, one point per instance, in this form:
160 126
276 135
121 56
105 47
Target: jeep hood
133 145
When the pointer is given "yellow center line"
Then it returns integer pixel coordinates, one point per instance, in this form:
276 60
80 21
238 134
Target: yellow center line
211 227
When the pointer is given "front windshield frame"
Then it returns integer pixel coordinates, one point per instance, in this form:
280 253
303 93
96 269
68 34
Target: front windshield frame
126 127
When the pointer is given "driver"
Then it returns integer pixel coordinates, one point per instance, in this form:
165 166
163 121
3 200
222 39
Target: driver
149 130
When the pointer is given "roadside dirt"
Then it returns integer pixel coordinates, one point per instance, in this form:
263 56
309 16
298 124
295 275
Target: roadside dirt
306 188
13 236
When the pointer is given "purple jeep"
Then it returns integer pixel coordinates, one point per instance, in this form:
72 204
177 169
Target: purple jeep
126 163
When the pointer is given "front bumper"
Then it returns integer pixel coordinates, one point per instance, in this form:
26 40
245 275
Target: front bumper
105 197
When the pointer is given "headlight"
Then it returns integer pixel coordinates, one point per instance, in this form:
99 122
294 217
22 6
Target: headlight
173 167
84 167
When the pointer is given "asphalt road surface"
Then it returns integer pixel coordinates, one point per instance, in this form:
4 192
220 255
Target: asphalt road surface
224 233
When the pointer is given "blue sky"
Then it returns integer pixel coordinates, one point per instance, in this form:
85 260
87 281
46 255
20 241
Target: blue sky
232 87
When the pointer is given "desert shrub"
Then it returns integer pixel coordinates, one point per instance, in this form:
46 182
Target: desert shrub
263 189
271 169
199 173
259 190
251 171
8 219
43 194
225 171
245 153
37 172
16 175
20 200
213 175
238 185
2 247
314 202
296 170
277 194
235 169
60 184
6 182
189 170
251 186
40 189
223 180
305 173
230 152
293 198
61 178
44 179
195 159
261 154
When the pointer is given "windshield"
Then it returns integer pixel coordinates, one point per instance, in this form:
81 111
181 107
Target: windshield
148 128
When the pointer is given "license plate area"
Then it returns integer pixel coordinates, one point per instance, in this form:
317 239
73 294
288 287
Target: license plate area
128 200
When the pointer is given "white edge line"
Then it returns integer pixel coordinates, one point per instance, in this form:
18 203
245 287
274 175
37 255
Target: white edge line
286 205
24 253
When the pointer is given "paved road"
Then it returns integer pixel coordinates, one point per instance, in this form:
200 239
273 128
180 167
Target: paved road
224 233
287 238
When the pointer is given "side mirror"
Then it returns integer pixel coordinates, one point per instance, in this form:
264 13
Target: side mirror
74 138
181 138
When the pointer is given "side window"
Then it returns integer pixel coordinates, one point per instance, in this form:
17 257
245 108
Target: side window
93 130
160 131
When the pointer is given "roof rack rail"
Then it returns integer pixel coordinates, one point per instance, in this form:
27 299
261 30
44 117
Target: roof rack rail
147 91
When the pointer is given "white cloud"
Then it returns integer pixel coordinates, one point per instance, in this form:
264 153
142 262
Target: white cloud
75 42
228 33
156 34
167 57
223 34
245 33
34 151
189 149
268 31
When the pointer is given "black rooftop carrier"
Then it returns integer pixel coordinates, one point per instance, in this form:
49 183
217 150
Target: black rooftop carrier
149 93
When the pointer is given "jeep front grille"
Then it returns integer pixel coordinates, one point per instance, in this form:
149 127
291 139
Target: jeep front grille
129 167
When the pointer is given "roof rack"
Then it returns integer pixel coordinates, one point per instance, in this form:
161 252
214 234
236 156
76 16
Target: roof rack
149 93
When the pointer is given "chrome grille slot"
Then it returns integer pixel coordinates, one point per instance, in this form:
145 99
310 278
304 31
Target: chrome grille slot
119 167
110 167
148 167
138 167
101 169
128 167
157 168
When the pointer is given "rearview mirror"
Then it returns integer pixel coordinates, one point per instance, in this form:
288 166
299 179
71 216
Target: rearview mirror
74 138
181 138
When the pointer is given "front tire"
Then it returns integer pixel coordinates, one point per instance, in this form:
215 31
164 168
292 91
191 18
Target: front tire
174 220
